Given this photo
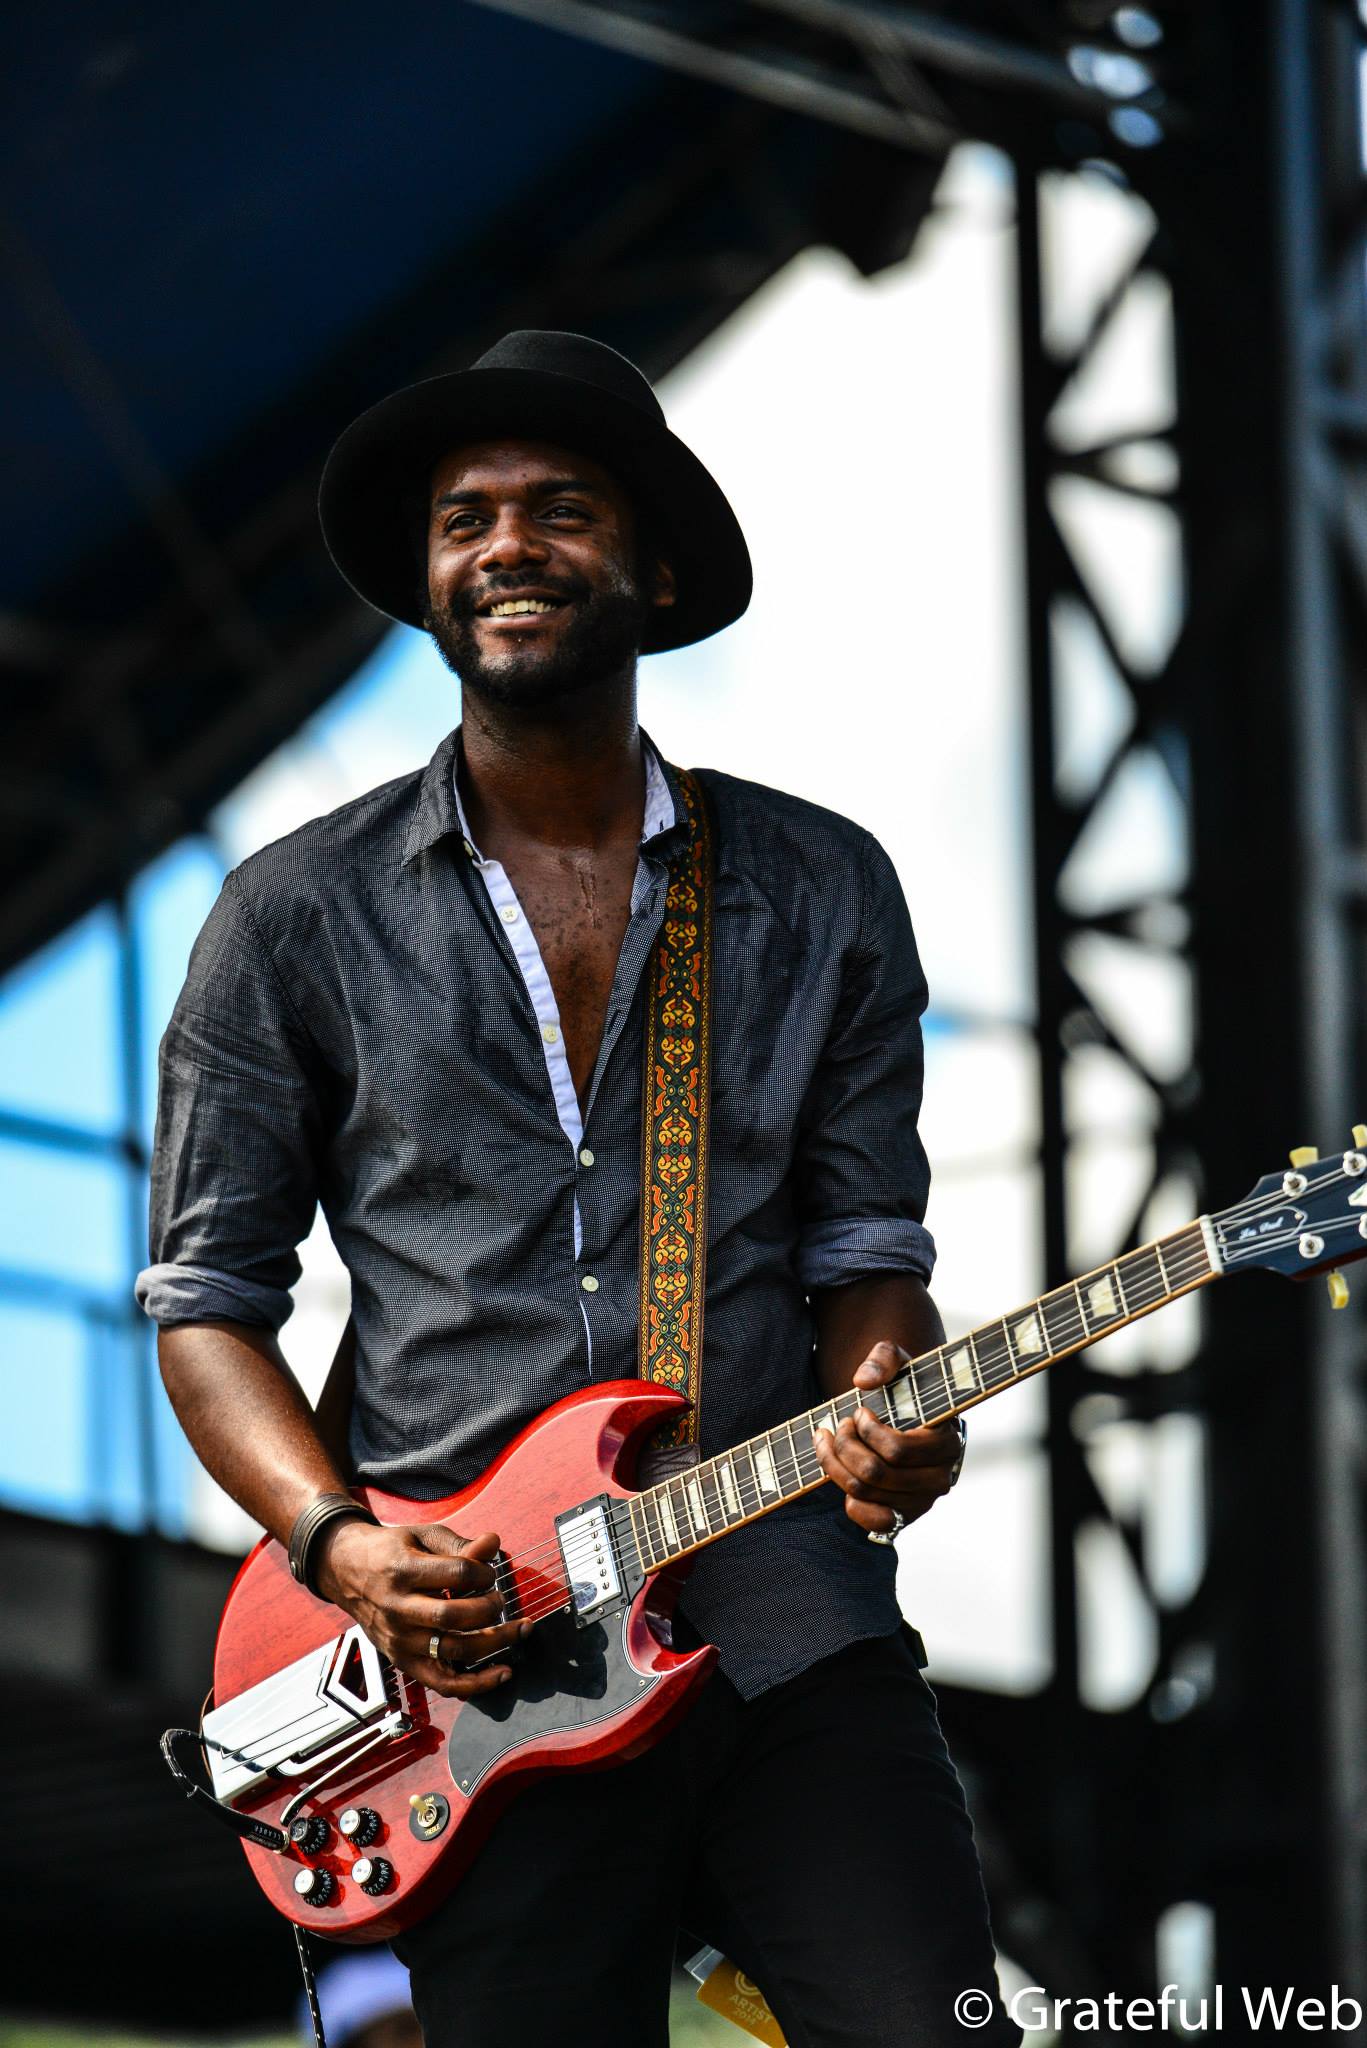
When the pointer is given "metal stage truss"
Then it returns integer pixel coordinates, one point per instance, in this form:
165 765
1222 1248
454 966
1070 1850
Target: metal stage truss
1237 1786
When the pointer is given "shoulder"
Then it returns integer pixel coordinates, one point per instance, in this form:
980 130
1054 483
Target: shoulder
751 817
333 852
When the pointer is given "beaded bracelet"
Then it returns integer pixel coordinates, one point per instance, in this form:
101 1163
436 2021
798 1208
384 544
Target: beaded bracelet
329 1507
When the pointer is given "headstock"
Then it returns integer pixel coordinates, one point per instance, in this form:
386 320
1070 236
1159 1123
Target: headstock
1310 1218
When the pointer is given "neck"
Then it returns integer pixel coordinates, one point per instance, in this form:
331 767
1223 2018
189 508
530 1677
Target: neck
569 774
680 1515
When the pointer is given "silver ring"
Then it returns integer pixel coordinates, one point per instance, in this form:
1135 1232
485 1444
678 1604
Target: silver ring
434 1649
899 1523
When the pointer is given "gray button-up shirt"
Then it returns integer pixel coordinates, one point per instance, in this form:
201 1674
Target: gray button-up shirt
358 1028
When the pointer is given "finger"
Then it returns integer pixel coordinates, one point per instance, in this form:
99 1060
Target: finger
862 1475
463 1567
459 1648
465 1685
885 1359
937 1444
422 1616
867 1515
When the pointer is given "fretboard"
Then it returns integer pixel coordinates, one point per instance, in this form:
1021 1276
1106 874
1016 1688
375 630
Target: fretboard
680 1515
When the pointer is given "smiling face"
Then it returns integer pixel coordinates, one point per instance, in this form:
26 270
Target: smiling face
535 583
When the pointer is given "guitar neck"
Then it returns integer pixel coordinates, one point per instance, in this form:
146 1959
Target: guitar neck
680 1515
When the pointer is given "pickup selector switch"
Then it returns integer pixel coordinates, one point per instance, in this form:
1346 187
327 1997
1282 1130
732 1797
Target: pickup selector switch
360 1825
373 1873
315 1887
310 1834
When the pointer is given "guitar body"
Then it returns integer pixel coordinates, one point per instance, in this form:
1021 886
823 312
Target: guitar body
586 1692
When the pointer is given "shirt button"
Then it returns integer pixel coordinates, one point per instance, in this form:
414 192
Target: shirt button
468 848
589 1284
510 913
551 1033
586 1157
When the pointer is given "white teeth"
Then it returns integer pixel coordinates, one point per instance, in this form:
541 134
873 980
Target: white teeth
515 605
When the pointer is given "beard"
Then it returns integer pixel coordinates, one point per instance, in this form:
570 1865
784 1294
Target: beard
601 639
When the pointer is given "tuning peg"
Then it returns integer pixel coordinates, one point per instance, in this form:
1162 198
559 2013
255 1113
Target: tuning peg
1360 1135
1304 1155
1338 1290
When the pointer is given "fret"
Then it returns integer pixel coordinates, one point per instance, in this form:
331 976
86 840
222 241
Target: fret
747 1486
963 1369
765 1475
1120 1286
1010 1349
677 1508
710 1488
1081 1309
636 1522
1141 1282
731 1507
652 1552
894 1391
927 1394
792 1453
1102 1306
1028 1335
1162 1269
696 1505
943 1364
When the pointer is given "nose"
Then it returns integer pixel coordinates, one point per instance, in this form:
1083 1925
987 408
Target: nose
513 540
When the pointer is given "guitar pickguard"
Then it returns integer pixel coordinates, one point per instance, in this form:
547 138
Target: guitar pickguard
566 1677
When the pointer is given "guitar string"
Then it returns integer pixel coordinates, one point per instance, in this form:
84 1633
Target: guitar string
1177 1262
1187 1264
1273 1200
802 1465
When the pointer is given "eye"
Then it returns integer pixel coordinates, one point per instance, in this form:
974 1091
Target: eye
564 506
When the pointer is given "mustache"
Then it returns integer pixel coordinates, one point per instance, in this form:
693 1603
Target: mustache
465 604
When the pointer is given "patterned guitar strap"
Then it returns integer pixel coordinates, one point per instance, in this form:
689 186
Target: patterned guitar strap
674 1140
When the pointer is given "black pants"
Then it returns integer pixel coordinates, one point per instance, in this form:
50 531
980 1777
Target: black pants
817 1835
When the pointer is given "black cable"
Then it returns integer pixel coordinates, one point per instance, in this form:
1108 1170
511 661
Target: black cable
259 1831
310 1988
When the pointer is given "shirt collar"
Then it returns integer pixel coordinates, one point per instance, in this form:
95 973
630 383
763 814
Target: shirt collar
439 812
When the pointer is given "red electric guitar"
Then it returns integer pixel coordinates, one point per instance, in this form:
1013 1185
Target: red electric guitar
369 1794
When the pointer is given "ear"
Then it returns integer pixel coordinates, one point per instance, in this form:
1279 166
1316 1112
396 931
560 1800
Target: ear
664 590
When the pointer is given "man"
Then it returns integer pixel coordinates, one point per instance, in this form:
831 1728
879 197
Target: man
426 1011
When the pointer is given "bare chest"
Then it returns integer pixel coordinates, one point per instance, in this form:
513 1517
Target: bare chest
578 907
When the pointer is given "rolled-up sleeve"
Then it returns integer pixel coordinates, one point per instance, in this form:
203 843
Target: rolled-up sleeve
234 1166
862 1176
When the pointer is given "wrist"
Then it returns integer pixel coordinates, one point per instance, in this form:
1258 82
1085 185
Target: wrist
326 1514
334 1560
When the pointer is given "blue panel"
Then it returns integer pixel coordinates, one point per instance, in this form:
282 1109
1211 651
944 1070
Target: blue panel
59 1030
65 1217
219 197
43 1445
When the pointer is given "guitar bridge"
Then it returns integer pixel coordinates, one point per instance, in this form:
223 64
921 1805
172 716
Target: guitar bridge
280 1725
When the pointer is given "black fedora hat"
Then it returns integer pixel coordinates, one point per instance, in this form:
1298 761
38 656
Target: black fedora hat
544 386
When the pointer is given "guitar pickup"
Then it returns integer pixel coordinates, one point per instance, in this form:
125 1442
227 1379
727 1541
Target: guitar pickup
589 1556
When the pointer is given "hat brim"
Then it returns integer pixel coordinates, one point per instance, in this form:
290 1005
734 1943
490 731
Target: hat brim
384 460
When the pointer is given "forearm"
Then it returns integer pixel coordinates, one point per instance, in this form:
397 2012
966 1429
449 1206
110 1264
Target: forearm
247 1419
850 1320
